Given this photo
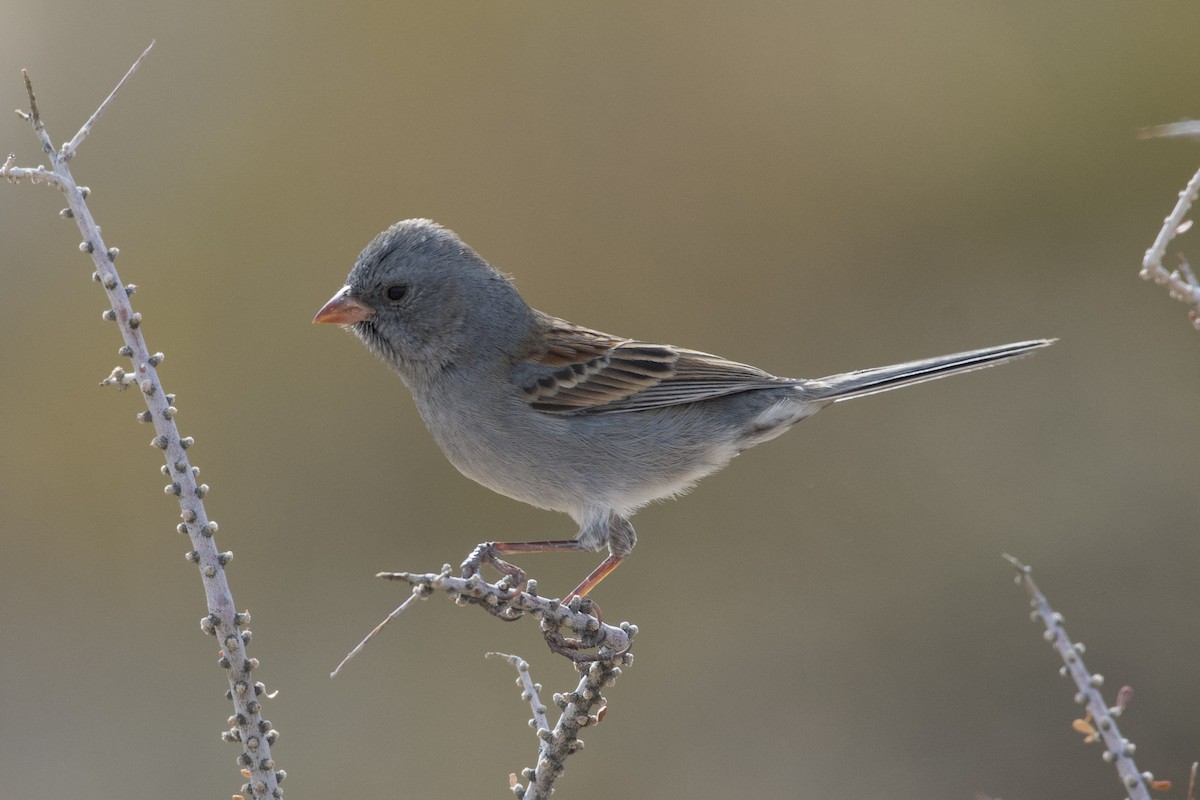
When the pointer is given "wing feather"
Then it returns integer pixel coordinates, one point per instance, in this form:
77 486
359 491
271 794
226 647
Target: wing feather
574 370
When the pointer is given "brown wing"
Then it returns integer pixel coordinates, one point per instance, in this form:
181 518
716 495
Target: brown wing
580 371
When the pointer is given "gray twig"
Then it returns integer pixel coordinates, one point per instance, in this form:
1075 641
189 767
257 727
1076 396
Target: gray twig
581 708
1180 283
222 620
529 693
1101 723
606 642
418 591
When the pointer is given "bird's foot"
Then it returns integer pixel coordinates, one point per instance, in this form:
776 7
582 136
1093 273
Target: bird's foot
513 580
485 553
589 638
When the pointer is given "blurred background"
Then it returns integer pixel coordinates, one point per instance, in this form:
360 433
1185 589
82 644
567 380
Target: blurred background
809 187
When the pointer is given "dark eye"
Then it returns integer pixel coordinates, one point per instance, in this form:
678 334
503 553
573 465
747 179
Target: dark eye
397 291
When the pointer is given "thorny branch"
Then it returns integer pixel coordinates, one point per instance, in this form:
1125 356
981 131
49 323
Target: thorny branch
222 620
583 707
1100 723
589 632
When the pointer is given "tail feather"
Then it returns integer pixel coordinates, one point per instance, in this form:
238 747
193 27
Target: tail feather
861 383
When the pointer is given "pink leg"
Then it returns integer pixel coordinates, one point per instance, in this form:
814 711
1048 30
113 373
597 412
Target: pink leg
598 574
487 553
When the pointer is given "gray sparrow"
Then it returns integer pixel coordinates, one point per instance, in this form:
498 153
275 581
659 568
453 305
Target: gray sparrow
564 417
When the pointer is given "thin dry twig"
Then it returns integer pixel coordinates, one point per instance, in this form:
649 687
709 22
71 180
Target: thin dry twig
248 727
417 592
68 149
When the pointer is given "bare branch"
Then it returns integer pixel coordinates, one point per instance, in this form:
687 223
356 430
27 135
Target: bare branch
1180 283
557 745
583 707
222 619
1100 723
1187 128
39 174
589 632
1171 227
529 693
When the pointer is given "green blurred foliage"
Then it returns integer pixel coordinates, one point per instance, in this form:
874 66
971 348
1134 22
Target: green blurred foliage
808 187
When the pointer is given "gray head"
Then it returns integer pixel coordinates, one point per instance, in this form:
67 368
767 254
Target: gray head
423 300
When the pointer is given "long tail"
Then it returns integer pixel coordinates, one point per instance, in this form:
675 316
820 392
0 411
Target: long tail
849 385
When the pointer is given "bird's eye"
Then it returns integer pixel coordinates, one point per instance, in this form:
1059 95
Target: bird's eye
397 291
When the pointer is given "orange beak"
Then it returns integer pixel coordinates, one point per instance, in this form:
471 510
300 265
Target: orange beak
344 309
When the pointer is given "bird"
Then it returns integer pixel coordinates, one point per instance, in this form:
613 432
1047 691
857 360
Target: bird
567 418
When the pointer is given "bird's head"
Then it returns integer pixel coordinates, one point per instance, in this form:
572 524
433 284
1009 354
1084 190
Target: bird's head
422 300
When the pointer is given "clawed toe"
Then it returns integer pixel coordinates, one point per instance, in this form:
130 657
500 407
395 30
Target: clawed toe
485 553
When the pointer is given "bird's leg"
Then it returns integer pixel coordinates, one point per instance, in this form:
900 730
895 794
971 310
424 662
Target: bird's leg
611 528
598 574
621 538
488 553
577 600
588 605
